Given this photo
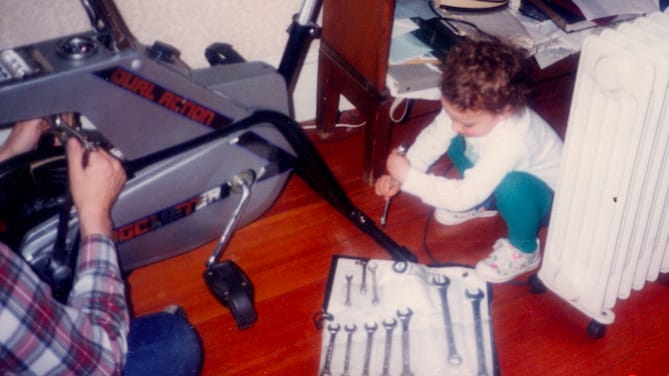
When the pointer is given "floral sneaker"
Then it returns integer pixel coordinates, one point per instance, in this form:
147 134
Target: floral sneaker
451 217
506 262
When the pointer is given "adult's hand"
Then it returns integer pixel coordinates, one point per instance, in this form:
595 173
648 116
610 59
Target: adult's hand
94 187
23 138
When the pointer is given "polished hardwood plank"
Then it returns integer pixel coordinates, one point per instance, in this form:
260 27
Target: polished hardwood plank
287 254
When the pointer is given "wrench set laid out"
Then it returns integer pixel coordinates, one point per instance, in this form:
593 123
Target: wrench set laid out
386 318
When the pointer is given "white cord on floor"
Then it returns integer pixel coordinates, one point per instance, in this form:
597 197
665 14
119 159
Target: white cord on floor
391 112
396 103
339 125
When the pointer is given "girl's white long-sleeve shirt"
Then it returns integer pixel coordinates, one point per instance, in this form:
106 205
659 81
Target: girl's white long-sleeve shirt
522 142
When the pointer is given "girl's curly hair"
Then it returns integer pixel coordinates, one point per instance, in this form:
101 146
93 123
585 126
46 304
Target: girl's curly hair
484 75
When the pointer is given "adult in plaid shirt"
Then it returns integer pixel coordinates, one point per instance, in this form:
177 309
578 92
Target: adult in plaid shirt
90 334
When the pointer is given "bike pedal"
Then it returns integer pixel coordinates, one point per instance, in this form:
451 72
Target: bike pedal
232 287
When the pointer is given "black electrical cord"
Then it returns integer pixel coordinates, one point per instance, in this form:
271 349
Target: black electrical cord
426 248
434 260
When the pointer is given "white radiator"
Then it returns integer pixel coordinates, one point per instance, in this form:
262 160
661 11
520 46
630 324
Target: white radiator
609 230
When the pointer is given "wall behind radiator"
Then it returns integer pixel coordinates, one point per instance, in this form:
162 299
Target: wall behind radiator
257 30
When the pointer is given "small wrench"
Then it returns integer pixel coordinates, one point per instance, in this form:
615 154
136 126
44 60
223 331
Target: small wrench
406 353
384 216
368 348
363 284
375 292
333 329
442 286
475 299
347 302
57 124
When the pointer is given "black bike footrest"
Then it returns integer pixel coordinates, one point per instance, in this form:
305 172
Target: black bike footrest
232 287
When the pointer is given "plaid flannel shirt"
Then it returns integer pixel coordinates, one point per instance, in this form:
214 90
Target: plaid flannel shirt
40 336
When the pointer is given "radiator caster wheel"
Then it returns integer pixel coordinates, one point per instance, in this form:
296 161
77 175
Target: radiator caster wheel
536 286
596 330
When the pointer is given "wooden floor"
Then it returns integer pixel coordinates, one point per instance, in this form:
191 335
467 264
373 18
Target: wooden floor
287 254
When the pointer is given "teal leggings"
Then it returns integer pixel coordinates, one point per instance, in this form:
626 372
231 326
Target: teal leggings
522 199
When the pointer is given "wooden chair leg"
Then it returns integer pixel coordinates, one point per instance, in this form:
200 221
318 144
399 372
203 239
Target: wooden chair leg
328 97
378 133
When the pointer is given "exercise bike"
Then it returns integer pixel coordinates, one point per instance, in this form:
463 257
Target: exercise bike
206 150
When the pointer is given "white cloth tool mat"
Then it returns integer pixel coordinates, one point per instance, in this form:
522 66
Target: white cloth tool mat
395 318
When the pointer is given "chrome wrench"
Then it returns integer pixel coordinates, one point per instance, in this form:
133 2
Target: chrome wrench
332 329
442 285
406 353
370 329
475 299
384 216
389 327
349 341
375 291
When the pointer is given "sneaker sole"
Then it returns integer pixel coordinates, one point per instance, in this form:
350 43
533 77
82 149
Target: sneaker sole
493 279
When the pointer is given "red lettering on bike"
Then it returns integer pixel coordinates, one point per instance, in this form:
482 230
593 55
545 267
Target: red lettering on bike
133 83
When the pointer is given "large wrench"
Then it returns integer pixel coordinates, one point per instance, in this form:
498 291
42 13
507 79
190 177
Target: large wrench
442 285
406 353
475 299
368 348
349 341
333 329
389 327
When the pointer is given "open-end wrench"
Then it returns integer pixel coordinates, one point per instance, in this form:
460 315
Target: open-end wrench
401 150
370 329
442 285
389 327
375 292
64 131
333 329
363 284
347 302
349 340
475 299
406 352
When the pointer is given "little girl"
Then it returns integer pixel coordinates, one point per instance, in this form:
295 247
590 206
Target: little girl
506 154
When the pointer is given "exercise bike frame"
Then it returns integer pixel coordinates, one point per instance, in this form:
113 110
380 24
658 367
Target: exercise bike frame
182 135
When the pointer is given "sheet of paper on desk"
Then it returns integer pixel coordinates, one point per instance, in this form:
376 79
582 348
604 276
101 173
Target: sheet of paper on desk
596 9
551 43
413 8
503 24
406 47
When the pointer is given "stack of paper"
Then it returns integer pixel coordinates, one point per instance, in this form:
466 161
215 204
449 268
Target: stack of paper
572 15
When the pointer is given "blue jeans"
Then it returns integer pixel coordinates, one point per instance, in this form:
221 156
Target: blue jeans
523 200
162 344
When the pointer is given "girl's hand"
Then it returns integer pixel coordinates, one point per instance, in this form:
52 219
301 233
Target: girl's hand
398 166
386 186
